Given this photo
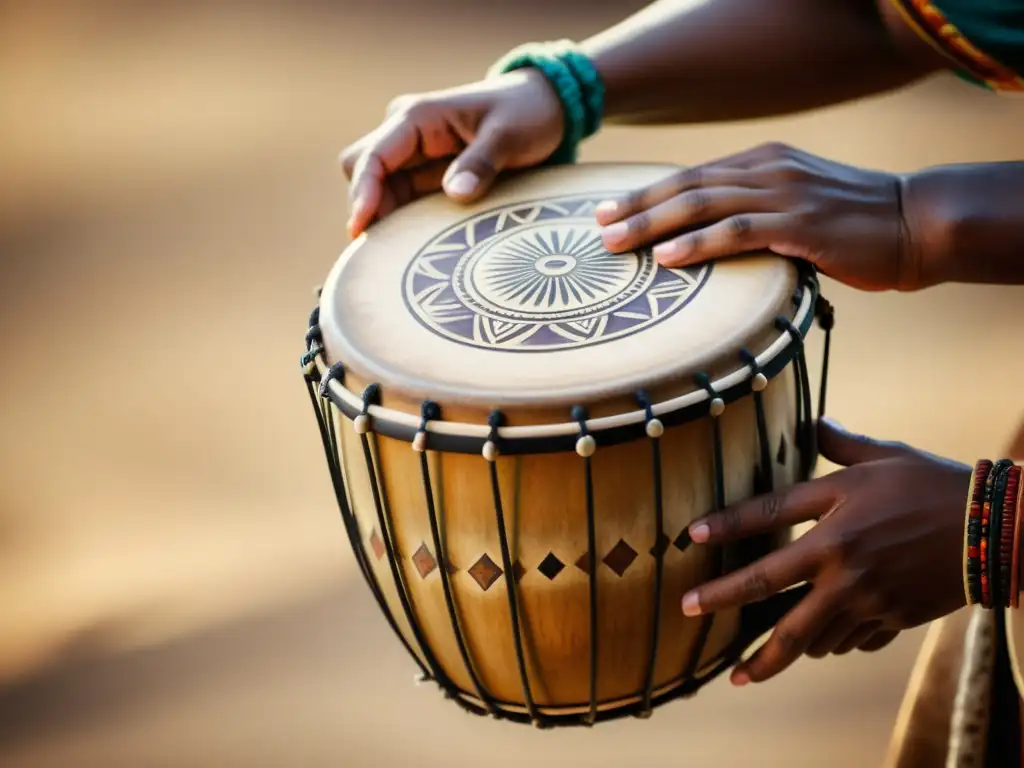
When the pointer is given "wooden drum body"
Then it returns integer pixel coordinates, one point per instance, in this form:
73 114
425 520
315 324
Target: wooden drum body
520 426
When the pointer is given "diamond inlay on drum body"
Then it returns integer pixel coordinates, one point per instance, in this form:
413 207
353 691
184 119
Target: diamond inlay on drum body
520 426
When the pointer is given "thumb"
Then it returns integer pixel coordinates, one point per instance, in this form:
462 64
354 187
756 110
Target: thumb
846 448
472 173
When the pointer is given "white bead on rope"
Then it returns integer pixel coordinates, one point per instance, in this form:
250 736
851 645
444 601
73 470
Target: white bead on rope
717 407
419 443
586 446
759 383
490 451
361 424
655 428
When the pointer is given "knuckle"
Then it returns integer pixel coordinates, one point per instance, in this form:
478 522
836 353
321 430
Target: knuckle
696 203
771 508
348 158
693 245
401 103
635 199
841 547
739 227
640 223
687 178
730 521
788 172
787 641
776 150
756 585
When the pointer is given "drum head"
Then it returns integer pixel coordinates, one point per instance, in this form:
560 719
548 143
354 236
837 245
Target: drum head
515 301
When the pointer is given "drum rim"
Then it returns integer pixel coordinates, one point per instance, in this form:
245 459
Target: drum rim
465 437
361 360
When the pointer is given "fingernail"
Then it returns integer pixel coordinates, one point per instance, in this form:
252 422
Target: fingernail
691 604
740 678
463 183
667 250
616 232
700 532
608 207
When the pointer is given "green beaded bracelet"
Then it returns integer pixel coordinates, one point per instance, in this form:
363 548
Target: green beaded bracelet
576 82
590 83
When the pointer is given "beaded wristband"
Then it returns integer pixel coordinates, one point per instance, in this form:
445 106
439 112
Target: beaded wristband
590 82
992 532
576 82
986 515
972 543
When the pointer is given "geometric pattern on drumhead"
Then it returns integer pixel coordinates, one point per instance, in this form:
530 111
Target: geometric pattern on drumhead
485 572
536 277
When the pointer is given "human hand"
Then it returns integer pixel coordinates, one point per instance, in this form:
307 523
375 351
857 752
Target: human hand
457 140
846 221
885 555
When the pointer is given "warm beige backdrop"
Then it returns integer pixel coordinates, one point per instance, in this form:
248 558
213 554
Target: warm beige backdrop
174 585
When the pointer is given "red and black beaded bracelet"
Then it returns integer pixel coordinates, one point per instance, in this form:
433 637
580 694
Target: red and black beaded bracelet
973 531
986 516
992 534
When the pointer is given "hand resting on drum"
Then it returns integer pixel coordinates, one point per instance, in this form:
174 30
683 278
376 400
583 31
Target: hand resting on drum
457 140
868 229
884 555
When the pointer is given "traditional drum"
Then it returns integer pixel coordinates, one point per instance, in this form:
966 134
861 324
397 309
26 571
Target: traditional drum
520 425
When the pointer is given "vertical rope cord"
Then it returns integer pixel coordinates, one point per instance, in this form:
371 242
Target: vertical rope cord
655 429
490 453
430 412
319 394
585 447
757 547
758 384
371 395
716 407
805 425
827 321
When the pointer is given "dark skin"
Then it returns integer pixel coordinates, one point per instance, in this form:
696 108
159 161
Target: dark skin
677 61
881 560
885 552
871 230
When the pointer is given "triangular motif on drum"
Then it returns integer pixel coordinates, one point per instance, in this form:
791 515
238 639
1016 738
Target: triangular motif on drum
566 333
665 295
587 208
440 308
591 326
503 333
426 265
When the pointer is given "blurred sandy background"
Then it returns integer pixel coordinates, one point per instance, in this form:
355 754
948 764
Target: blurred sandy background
175 589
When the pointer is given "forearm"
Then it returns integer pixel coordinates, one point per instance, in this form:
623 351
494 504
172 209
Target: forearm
707 60
965 224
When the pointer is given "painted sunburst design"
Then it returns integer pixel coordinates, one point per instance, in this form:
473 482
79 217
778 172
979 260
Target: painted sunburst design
535 277
554 268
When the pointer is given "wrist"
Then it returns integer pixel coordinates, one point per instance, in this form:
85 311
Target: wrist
575 81
928 242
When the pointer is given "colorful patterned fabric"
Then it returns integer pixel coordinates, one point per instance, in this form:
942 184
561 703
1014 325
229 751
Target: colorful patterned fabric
984 39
